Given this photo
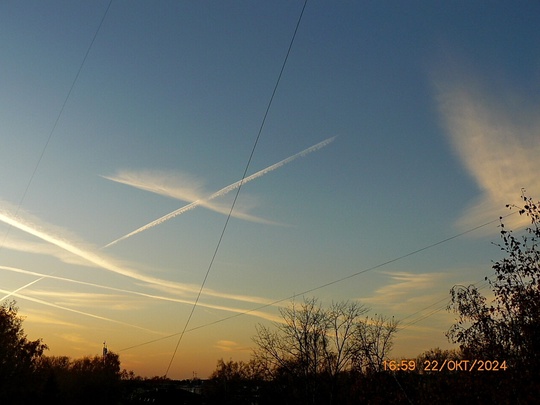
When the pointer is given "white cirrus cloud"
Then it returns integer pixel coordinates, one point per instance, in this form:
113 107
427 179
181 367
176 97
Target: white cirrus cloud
179 186
45 249
28 297
144 184
407 290
230 346
496 135
98 259
170 298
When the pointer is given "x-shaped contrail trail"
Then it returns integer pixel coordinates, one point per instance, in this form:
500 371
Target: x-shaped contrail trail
9 294
259 314
50 304
224 190
105 263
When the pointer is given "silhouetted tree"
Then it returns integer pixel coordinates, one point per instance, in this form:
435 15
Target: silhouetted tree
237 370
508 327
438 355
314 347
88 380
374 338
18 358
235 382
29 377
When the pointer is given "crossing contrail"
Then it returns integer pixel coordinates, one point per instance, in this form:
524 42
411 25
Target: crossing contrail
41 276
105 263
21 288
224 190
102 318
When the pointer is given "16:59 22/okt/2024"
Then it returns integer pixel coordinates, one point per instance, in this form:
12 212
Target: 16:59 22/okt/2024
448 365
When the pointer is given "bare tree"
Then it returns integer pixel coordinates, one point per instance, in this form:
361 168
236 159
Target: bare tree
374 338
343 351
312 340
299 345
314 346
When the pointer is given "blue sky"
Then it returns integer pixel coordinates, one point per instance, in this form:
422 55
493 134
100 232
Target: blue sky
433 106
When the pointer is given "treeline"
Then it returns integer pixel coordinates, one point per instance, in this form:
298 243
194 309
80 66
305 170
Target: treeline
333 356
327 355
239 383
87 380
29 377
316 355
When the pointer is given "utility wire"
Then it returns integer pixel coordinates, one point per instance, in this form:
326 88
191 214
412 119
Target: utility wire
53 129
439 308
238 190
273 303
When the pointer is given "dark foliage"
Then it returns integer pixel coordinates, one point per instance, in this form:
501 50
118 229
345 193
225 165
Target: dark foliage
89 380
508 328
298 355
18 358
313 357
322 356
382 387
29 377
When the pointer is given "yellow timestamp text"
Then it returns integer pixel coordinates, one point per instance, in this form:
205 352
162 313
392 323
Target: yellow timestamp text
445 365
399 365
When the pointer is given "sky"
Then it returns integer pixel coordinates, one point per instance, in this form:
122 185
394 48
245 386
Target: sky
396 135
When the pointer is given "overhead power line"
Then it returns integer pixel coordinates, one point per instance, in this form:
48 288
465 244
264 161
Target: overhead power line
336 281
57 120
446 301
238 189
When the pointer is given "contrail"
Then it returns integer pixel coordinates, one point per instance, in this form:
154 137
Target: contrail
41 276
104 263
102 318
89 256
21 288
224 190
183 193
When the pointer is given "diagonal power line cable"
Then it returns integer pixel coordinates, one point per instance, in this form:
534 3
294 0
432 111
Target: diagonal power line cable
57 120
336 281
49 137
238 189
481 284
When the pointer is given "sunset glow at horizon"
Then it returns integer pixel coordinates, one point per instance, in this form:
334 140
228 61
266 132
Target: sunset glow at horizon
395 138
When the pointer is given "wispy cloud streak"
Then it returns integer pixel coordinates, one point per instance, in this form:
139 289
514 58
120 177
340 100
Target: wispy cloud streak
45 249
497 137
224 190
108 264
41 276
406 288
21 288
91 257
101 318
